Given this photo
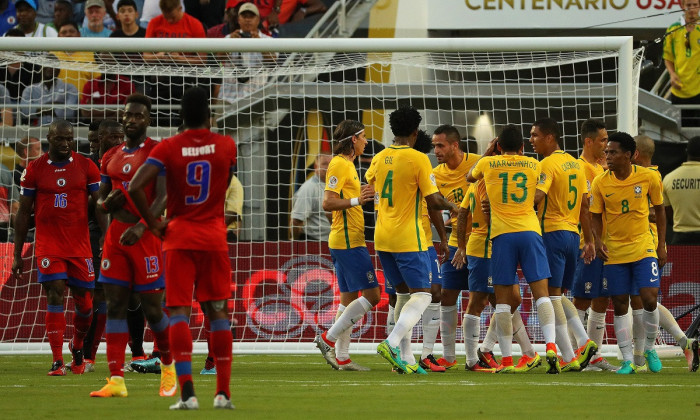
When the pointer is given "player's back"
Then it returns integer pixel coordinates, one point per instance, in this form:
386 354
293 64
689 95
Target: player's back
479 241
510 185
401 177
197 165
564 181
61 192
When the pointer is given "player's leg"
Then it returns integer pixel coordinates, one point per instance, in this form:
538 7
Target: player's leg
97 328
449 320
431 317
391 292
638 332
480 289
54 289
82 301
619 285
669 324
209 364
151 302
646 279
390 350
136 322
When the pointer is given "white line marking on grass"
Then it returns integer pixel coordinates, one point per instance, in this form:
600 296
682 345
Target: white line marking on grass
470 383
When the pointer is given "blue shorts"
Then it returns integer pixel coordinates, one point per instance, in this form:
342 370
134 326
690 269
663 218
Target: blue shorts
588 281
354 269
525 248
388 288
452 278
406 267
480 274
562 255
434 262
625 279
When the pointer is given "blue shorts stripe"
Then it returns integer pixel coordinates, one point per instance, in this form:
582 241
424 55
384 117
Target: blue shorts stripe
219 325
41 278
56 309
116 326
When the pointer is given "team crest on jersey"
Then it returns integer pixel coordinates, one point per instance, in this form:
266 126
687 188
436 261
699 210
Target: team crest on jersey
370 277
106 264
637 191
61 182
11 20
588 185
543 178
126 168
45 263
588 286
432 179
24 174
333 182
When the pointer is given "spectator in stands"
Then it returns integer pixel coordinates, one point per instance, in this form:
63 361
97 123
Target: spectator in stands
234 88
151 9
9 202
5 113
62 14
208 12
230 21
108 89
27 22
682 197
27 149
49 99
682 59
309 220
17 76
279 12
233 209
8 16
95 12
127 15
77 78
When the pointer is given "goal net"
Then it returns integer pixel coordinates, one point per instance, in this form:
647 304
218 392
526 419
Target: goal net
281 107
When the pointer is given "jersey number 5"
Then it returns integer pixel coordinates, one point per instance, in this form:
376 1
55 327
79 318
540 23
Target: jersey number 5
198 175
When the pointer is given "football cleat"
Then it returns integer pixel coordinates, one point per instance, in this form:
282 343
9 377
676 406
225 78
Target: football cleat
553 362
692 354
642 368
77 366
57 369
392 355
444 363
146 365
168 380
586 352
415 368
600 364
479 366
487 358
115 388
527 363
327 350
89 365
206 371
351 366
429 363
571 366
505 369
627 368
223 403
190 404
653 360
128 367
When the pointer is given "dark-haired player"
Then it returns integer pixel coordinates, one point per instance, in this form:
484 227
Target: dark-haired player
198 165
57 186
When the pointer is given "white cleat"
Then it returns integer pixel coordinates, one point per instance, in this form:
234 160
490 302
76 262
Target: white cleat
221 402
350 365
190 404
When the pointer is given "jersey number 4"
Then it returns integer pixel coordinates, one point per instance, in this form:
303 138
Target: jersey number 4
198 175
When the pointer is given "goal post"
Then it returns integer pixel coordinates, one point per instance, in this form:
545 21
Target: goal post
282 112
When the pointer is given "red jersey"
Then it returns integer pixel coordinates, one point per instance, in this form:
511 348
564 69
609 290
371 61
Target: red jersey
119 164
197 166
60 191
94 92
187 27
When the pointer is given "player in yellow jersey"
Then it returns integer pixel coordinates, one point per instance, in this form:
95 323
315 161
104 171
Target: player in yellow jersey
562 203
450 177
402 176
511 181
353 265
642 157
588 289
623 193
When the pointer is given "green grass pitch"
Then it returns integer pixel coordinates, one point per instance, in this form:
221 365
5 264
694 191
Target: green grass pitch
305 387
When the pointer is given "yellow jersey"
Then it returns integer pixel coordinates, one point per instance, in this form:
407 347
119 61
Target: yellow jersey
683 49
652 226
402 177
479 243
625 204
564 183
453 184
348 225
78 78
591 170
511 181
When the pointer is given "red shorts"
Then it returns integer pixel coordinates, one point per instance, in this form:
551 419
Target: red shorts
138 267
78 271
208 273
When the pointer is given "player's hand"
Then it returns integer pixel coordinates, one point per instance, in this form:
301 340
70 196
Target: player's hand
115 200
491 149
366 193
459 259
676 81
159 228
273 19
661 253
132 235
17 265
588 253
443 252
486 207
601 250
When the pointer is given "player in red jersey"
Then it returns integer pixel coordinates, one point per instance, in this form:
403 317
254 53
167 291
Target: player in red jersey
131 255
198 165
57 186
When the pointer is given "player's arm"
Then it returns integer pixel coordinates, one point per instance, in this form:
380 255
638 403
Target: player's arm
135 232
108 200
296 229
661 229
669 212
146 174
333 202
22 220
600 249
460 257
588 254
436 203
